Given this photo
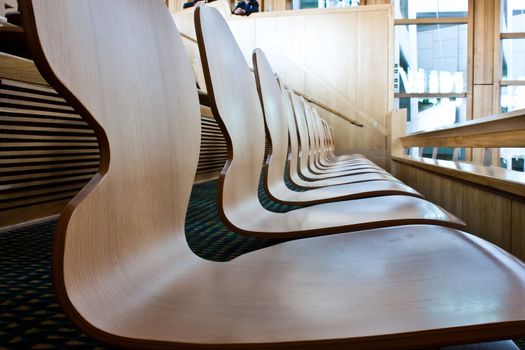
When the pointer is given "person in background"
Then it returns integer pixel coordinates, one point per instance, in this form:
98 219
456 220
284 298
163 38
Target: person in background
195 3
246 7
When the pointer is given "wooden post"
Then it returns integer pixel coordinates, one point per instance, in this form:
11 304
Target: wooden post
397 126
484 63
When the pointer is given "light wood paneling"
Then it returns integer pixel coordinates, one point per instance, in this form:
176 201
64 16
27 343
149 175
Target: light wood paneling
484 15
332 55
487 215
496 178
436 188
440 190
493 215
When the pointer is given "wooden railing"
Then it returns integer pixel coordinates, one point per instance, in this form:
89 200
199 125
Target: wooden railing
327 108
504 130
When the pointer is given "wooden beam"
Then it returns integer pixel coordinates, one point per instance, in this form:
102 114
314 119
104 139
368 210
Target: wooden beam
511 82
430 95
442 20
505 130
520 35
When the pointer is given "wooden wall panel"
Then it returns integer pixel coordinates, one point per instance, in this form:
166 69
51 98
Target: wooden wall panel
487 215
373 67
518 230
440 190
493 215
334 55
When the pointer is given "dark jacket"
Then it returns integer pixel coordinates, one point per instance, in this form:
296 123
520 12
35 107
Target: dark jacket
192 3
252 6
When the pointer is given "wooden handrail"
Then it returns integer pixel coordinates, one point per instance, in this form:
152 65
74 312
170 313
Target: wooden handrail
503 130
188 37
327 108
306 97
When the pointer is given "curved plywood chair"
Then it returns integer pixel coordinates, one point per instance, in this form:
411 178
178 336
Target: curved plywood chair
236 106
277 135
306 153
315 149
314 144
296 153
331 156
323 159
122 269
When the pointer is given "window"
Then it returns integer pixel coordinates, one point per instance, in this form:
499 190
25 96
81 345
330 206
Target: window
308 4
409 9
431 63
512 91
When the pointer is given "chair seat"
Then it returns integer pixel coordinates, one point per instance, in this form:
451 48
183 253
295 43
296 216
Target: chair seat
282 194
251 219
372 289
495 345
316 183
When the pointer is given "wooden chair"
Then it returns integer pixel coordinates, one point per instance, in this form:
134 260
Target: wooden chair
323 160
276 124
314 150
329 135
236 106
297 178
122 269
306 153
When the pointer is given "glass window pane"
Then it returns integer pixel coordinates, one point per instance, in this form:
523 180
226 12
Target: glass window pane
445 153
308 4
431 58
512 158
513 59
512 16
430 8
430 113
512 98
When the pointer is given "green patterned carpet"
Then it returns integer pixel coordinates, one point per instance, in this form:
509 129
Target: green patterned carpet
30 317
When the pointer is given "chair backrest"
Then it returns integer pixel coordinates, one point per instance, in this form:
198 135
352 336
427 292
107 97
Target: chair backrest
302 130
236 106
312 137
320 132
134 85
292 134
275 116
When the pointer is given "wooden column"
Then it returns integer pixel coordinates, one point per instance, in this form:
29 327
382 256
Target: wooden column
274 5
483 60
